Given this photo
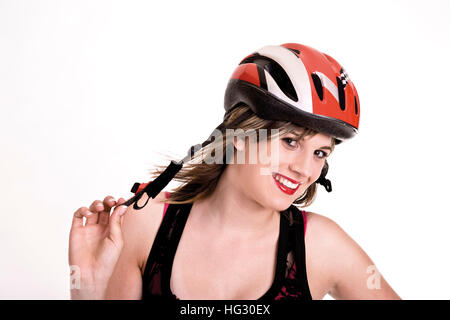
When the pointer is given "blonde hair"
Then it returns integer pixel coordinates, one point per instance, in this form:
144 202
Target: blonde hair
199 179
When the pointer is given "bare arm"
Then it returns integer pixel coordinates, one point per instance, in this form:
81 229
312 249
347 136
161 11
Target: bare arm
126 281
350 273
139 229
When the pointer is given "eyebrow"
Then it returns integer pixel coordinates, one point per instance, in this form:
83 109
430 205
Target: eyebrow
298 135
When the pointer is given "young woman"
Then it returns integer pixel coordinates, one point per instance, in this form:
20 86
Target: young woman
232 229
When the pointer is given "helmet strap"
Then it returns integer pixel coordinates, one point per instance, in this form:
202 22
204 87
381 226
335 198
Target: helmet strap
325 182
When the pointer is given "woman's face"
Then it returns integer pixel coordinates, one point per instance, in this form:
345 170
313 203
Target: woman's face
277 184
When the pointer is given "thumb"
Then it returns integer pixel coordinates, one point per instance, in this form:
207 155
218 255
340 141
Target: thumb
115 223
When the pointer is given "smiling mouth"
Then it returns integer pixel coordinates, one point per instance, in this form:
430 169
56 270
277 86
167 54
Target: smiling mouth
285 184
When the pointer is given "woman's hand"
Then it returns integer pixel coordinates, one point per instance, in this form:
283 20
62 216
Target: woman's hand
94 248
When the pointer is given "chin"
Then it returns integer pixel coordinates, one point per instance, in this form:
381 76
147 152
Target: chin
279 204
278 201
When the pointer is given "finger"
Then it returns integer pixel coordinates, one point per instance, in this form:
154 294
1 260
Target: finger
115 221
108 203
96 207
78 216
120 202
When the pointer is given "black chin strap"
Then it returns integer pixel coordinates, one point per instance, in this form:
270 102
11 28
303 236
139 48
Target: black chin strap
153 188
325 182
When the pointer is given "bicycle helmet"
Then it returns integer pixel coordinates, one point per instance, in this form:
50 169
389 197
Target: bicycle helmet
290 82
296 83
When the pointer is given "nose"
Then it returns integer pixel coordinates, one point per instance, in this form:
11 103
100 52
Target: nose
302 165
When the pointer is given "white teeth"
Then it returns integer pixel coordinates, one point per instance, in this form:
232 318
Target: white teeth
286 182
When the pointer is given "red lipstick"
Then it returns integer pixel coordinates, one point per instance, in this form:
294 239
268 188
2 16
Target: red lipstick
282 187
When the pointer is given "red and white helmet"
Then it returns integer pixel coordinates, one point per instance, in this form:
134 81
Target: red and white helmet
296 83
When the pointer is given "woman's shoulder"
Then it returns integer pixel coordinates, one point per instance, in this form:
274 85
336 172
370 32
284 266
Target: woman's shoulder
327 243
325 230
140 226
319 221
337 260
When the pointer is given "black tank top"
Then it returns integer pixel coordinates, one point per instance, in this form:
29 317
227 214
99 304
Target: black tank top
290 281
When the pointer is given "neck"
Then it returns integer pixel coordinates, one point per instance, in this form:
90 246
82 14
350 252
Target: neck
232 211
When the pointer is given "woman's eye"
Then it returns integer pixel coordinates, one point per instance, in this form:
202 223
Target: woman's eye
321 154
289 141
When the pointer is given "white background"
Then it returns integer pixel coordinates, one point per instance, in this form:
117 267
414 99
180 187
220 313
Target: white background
92 91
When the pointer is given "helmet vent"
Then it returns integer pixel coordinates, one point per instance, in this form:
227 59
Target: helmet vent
318 85
297 52
277 72
356 106
341 93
